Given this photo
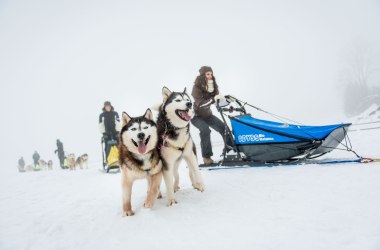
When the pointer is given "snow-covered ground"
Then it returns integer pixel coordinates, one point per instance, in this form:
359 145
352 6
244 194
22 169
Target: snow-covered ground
372 114
368 120
303 207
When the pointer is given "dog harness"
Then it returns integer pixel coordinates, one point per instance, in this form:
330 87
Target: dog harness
152 165
168 144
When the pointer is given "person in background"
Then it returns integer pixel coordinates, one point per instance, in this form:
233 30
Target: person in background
109 124
21 163
206 92
61 153
36 158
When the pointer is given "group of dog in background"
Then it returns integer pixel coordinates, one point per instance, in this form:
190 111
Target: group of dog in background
154 149
70 162
38 165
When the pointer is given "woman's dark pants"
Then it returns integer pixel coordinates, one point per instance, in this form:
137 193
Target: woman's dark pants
204 124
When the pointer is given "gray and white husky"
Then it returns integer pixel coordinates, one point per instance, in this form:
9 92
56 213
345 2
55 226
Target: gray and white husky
82 161
139 158
42 164
173 124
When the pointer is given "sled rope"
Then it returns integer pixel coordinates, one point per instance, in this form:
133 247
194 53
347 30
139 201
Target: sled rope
281 118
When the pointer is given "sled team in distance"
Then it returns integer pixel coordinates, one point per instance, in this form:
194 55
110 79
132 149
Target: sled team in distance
69 162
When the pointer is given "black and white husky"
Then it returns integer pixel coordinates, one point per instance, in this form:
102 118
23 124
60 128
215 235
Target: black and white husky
175 142
139 158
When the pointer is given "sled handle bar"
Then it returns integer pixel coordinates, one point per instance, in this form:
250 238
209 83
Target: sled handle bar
232 109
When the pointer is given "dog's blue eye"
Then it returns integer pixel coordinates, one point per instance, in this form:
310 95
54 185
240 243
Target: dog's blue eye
177 100
146 127
134 129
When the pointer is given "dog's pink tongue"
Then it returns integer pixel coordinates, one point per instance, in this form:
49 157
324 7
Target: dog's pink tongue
185 116
141 147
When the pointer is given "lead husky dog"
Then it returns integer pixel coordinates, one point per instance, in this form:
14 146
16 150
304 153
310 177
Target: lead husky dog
175 142
139 158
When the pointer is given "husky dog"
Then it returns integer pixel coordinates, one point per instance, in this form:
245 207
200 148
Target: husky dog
42 164
139 158
82 160
71 161
175 142
50 165
29 168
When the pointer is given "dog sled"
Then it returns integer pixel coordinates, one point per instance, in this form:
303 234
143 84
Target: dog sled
258 142
65 164
21 169
110 160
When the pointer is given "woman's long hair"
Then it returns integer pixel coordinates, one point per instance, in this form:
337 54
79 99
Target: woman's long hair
201 81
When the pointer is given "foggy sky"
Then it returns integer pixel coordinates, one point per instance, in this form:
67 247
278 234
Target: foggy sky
60 60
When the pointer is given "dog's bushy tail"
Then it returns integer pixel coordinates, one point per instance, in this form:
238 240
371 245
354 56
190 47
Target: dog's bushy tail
156 107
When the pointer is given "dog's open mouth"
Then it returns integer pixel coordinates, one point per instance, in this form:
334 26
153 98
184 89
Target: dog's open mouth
141 145
183 114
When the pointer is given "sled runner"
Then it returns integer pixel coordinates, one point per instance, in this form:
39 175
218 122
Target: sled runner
110 160
263 141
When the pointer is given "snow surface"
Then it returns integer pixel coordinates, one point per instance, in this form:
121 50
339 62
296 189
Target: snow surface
372 114
303 207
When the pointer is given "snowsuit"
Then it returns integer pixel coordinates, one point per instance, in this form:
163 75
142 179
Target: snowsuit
61 153
204 119
109 120
36 158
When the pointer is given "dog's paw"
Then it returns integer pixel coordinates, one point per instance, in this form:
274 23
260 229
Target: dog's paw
159 195
199 186
171 202
148 204
176 189
128 213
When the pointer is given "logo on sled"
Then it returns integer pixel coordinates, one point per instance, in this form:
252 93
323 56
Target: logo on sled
254 138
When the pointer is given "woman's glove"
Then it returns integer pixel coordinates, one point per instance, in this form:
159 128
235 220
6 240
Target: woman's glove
230 98
219 98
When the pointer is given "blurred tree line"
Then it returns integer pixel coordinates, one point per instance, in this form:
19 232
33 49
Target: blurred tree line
361 80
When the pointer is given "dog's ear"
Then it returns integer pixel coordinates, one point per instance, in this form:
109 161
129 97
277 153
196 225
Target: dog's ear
148 114
125 119
165 94
184 91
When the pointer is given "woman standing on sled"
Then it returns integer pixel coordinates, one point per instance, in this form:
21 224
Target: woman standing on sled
109 124
206 92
